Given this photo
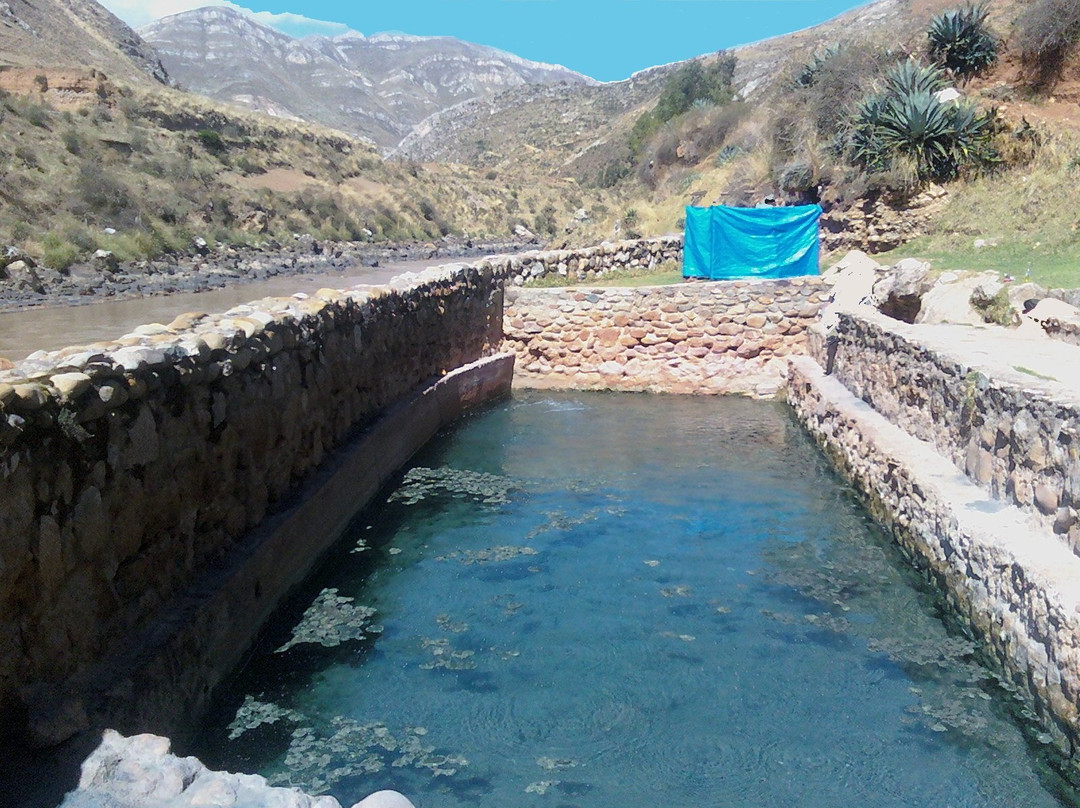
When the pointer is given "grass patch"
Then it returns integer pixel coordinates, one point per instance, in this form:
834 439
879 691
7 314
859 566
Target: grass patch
1055 267
1030 213
1036 374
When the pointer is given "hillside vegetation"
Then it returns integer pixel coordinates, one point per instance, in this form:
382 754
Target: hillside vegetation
848 114
91 164
860 125
851 115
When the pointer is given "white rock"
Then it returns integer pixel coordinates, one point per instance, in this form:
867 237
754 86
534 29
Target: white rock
951 302
853 260
71 385
385 799
853 278
137 356
912 265
1053 309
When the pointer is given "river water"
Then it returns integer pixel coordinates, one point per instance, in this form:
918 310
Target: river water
600 600
23 332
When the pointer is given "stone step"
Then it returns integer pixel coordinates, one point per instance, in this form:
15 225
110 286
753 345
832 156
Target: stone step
1016 585
986 398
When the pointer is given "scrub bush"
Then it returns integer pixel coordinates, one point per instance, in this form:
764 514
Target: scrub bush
1046 33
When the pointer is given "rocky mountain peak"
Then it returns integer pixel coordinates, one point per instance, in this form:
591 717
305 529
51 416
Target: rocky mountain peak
377 86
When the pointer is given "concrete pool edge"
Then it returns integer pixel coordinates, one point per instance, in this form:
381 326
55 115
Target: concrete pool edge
1014 584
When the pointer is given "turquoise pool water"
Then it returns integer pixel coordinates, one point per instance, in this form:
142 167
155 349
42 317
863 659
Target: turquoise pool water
620 600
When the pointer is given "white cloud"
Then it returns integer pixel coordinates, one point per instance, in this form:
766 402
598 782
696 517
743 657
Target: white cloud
140 12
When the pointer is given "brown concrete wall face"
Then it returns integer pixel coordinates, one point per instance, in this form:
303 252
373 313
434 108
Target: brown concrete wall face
130 468
719 337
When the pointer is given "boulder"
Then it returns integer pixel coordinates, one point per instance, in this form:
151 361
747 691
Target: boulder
853 278
25 277
961 298
899 293
105 261
385 799
256 221
855 261
1052 309
1057 319
12 254
141 772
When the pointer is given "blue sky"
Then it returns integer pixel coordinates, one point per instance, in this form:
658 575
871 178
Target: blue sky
606 39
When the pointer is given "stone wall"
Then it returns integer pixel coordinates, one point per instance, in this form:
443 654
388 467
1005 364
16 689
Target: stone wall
1014 586
132 468
590 262
717 337
1012 434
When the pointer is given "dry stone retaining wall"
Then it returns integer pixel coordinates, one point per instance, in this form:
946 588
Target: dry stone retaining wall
130 468
590 262
1020 440
717 337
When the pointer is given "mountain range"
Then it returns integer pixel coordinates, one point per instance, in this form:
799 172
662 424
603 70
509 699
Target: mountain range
377 87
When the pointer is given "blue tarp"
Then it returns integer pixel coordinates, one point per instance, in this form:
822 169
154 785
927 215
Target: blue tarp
723 242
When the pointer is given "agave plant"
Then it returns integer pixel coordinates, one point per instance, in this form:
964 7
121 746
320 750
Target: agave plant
911 76
961 41
919 126
867 146
909 122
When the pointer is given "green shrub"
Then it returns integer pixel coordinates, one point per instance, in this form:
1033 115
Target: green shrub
961 42
610 174
211 141
102 197
1046 33
58 253
72 141
691 83
545 221
808 73
27 155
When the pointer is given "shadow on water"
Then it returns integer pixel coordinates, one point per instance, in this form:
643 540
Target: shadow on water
32 778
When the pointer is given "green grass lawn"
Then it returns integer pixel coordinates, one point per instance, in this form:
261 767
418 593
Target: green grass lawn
1056 267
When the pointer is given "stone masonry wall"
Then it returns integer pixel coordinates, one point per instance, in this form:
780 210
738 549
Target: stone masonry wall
590 262
1018 595
1015 438
717 337
129 468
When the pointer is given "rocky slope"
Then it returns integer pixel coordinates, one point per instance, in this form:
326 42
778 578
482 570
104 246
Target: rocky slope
567 130
73 34
581 129
378 86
